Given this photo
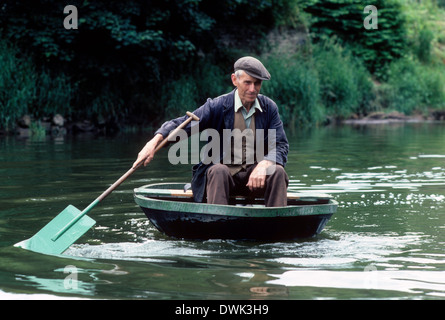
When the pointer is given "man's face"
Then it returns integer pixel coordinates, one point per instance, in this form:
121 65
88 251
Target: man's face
248 88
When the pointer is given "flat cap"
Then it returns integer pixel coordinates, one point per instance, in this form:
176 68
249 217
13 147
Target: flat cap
253 67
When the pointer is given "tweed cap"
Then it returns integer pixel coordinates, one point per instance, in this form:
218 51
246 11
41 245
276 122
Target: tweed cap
253 67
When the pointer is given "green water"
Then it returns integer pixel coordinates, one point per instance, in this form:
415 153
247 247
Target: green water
386 240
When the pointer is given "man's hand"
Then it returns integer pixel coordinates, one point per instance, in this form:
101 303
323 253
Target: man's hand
148 151
257 179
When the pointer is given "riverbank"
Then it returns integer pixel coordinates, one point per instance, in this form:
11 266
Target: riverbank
57 125
356 71
396 117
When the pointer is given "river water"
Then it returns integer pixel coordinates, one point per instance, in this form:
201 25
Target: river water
386 240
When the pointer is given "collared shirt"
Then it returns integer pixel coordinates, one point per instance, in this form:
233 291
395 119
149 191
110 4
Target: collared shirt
247 115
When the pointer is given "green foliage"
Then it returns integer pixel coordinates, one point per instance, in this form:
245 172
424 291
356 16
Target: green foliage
53 94
125 53
25 90
122 38
17 85
345 83
211 81
344 19
180 96
310 88
37 130
413 87
110 34
190 91
295 88
145 61
289 12
424 24
423 48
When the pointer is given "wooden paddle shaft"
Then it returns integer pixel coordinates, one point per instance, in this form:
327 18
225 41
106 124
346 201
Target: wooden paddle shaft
121 179
158 147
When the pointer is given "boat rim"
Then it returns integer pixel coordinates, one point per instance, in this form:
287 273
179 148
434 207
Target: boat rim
145 201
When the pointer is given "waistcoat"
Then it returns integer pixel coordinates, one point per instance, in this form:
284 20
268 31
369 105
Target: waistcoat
247 138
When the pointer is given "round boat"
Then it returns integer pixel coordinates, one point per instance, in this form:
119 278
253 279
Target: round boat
171 209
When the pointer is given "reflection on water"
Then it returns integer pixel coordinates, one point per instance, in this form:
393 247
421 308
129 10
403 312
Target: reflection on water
429 283
385 241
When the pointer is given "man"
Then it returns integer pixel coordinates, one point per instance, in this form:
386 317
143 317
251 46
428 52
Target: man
245 112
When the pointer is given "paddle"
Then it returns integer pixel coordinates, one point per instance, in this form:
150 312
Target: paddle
71 223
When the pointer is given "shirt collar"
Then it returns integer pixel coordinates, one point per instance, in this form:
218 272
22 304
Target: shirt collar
239 104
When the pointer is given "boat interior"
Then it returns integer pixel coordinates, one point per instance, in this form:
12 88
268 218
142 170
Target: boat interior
182 193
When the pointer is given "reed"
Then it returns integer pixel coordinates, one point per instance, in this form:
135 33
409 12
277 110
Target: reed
17 85
26 90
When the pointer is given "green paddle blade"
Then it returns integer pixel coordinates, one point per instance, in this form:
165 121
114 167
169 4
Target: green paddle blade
50 240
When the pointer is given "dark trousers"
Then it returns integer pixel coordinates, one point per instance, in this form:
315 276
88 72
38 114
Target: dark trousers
221 185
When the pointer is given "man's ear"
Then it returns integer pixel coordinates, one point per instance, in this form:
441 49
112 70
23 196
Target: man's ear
234 80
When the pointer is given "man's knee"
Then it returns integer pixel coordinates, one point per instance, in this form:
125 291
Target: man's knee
218 170
280 174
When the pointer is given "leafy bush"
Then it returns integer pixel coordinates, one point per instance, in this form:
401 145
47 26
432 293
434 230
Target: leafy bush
412 87
423 48
295 88
146 61
134 47
330 82
180 96
344 19
190 91
345 83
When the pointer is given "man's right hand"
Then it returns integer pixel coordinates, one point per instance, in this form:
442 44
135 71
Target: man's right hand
148 151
